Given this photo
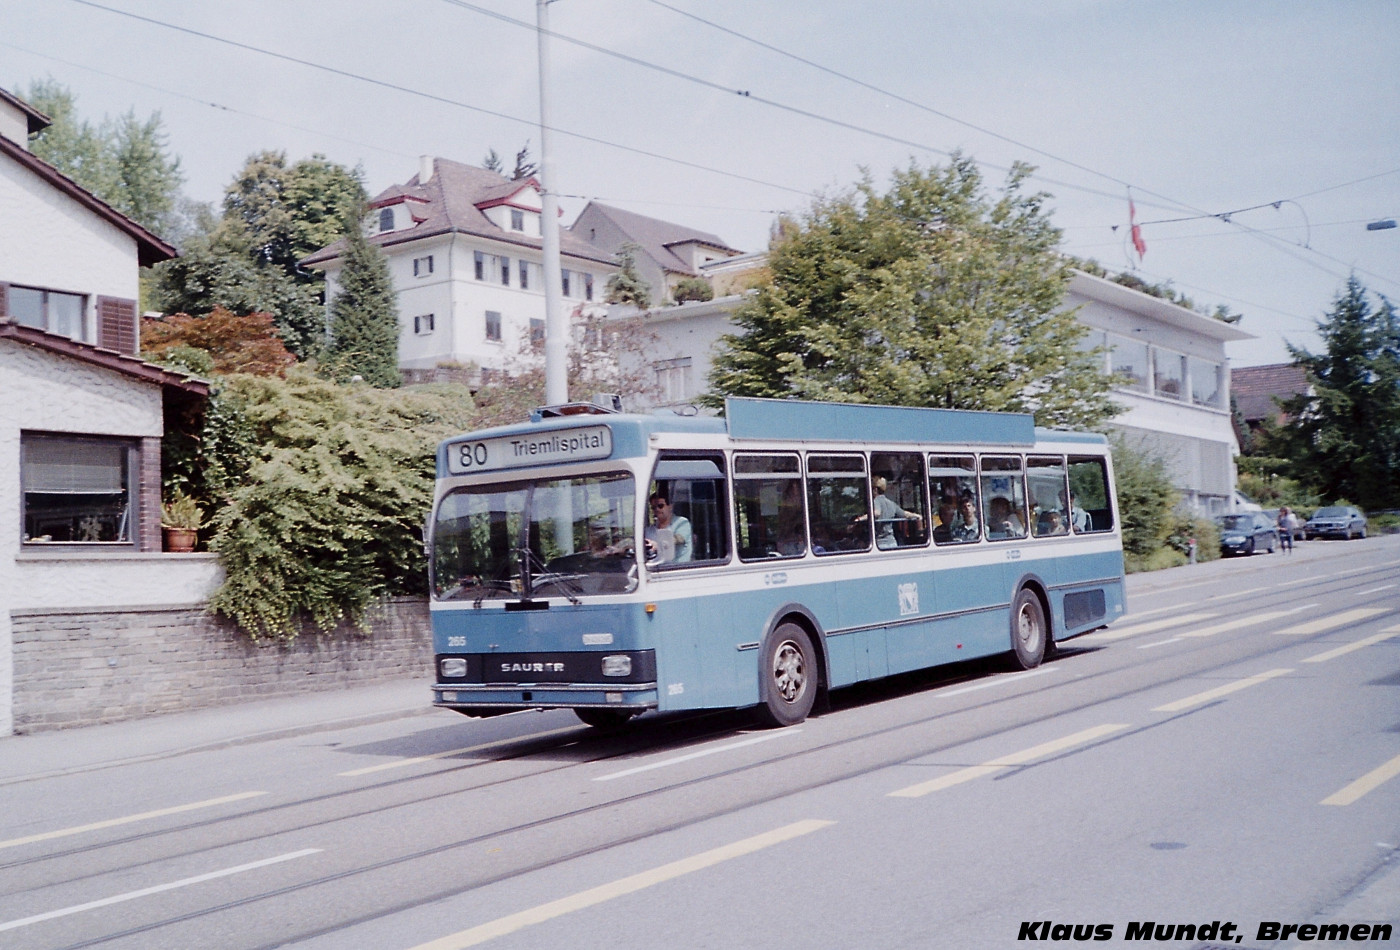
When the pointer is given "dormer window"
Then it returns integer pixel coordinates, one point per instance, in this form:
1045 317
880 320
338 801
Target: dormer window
386 219
517 219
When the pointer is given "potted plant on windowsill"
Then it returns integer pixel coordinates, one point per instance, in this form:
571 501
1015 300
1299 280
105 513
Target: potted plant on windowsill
180 519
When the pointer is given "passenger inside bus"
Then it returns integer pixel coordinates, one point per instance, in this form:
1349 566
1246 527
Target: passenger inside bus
1002 521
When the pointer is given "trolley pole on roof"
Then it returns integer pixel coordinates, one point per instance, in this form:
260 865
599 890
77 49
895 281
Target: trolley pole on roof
556 324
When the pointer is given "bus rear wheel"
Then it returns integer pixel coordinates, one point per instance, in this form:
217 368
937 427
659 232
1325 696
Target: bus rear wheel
787 686
1028 630
603 718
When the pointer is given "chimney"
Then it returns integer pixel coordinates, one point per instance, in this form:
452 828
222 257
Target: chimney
425 169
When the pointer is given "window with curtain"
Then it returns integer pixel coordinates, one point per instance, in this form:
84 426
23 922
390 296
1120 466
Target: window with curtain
77 490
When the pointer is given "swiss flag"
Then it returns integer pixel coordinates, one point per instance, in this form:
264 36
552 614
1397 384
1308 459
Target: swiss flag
1139 244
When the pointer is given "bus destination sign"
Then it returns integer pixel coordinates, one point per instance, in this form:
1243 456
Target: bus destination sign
518 451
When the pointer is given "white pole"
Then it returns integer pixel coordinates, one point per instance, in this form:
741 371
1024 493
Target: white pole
556 324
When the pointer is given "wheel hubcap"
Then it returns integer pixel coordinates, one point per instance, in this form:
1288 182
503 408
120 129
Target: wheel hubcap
789 671
1028 628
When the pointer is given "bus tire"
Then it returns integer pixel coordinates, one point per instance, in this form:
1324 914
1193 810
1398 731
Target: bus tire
787 676
1029 632
602 717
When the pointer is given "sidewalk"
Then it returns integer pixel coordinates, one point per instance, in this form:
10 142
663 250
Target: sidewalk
66 751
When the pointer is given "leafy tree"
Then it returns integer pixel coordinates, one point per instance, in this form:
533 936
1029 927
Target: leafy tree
364 317
1146 500
123 161
693 288
322 490
932 294
232 343
626 286
1343 436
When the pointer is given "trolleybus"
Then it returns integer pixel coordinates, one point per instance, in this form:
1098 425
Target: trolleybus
614 563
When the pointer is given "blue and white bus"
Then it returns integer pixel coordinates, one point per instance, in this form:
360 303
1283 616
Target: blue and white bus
613 564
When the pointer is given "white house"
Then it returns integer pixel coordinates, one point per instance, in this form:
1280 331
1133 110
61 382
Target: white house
81 417
464 247
1176 405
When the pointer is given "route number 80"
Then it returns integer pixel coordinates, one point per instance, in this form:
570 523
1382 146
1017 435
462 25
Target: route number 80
471 455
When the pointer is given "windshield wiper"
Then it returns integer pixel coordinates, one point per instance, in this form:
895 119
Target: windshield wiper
532 560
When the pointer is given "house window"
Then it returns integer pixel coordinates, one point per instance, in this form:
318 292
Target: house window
479 260
564 278
587 286
673 379
386 219
493 325
77 490
1130 363
422 266
49 310
524 275
505 271
423 325
1168 374
1207 383
517 219
536 330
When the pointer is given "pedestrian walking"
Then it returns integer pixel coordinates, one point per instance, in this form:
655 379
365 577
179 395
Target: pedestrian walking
1286 523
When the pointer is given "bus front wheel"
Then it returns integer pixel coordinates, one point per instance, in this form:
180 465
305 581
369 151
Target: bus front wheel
787 686
602 717
1028 630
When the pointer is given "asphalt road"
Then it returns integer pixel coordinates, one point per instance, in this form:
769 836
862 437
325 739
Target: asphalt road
1229 753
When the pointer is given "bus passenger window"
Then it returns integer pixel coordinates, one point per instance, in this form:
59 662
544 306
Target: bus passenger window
954 482
687 521
1003 497
901 499
838 503
769 518
1049 495
1090 507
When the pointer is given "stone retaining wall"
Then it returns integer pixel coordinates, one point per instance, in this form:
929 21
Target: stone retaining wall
83 666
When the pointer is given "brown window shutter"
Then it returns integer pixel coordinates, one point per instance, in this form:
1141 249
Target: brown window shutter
116 324
4 299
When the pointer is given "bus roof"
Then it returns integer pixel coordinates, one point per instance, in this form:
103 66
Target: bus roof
786 420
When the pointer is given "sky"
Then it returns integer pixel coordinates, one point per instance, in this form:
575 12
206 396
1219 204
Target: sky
1255 139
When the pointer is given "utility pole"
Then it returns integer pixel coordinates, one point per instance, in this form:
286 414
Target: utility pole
556 324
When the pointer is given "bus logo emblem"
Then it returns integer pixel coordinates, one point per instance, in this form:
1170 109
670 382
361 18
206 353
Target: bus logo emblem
908 599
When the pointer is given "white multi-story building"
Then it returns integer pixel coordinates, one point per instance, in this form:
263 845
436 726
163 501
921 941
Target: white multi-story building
464 247
1176 404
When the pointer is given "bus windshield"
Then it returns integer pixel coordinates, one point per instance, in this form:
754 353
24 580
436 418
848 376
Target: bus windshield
549 538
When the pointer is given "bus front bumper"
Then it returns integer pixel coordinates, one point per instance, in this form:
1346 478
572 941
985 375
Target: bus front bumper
497 696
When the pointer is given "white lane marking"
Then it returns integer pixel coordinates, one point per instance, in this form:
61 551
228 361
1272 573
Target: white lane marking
999 680
128 819
1239 623
1366 783
400 763
1008 761
1211 694
1332 622
158 889
1376 590
1120 633
1159 643
1381 637
713 750
622 887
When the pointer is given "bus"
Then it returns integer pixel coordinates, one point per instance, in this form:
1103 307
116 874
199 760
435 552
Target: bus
615 563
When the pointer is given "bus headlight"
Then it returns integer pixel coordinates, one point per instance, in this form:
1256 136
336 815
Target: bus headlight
620 665
453 667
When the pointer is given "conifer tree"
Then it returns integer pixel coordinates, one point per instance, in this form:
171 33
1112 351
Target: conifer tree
627 285
364 317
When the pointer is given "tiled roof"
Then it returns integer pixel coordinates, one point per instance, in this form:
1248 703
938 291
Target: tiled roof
657 237
35 119
149 248
1259 389
454 193
99 356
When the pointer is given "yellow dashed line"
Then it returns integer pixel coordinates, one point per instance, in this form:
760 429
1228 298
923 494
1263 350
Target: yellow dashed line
1227 689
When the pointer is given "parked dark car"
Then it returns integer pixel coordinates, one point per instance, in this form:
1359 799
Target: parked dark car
1246 533
1336 521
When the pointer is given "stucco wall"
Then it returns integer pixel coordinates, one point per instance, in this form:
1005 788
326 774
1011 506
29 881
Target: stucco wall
82 666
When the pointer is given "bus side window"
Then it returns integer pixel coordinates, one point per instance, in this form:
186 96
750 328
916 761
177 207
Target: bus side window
1091 509
1049 496
1003 497
954 481
694 489
906 496
768 511
838 503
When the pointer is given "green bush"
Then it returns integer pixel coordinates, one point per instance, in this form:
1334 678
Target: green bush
324 489
1146 501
